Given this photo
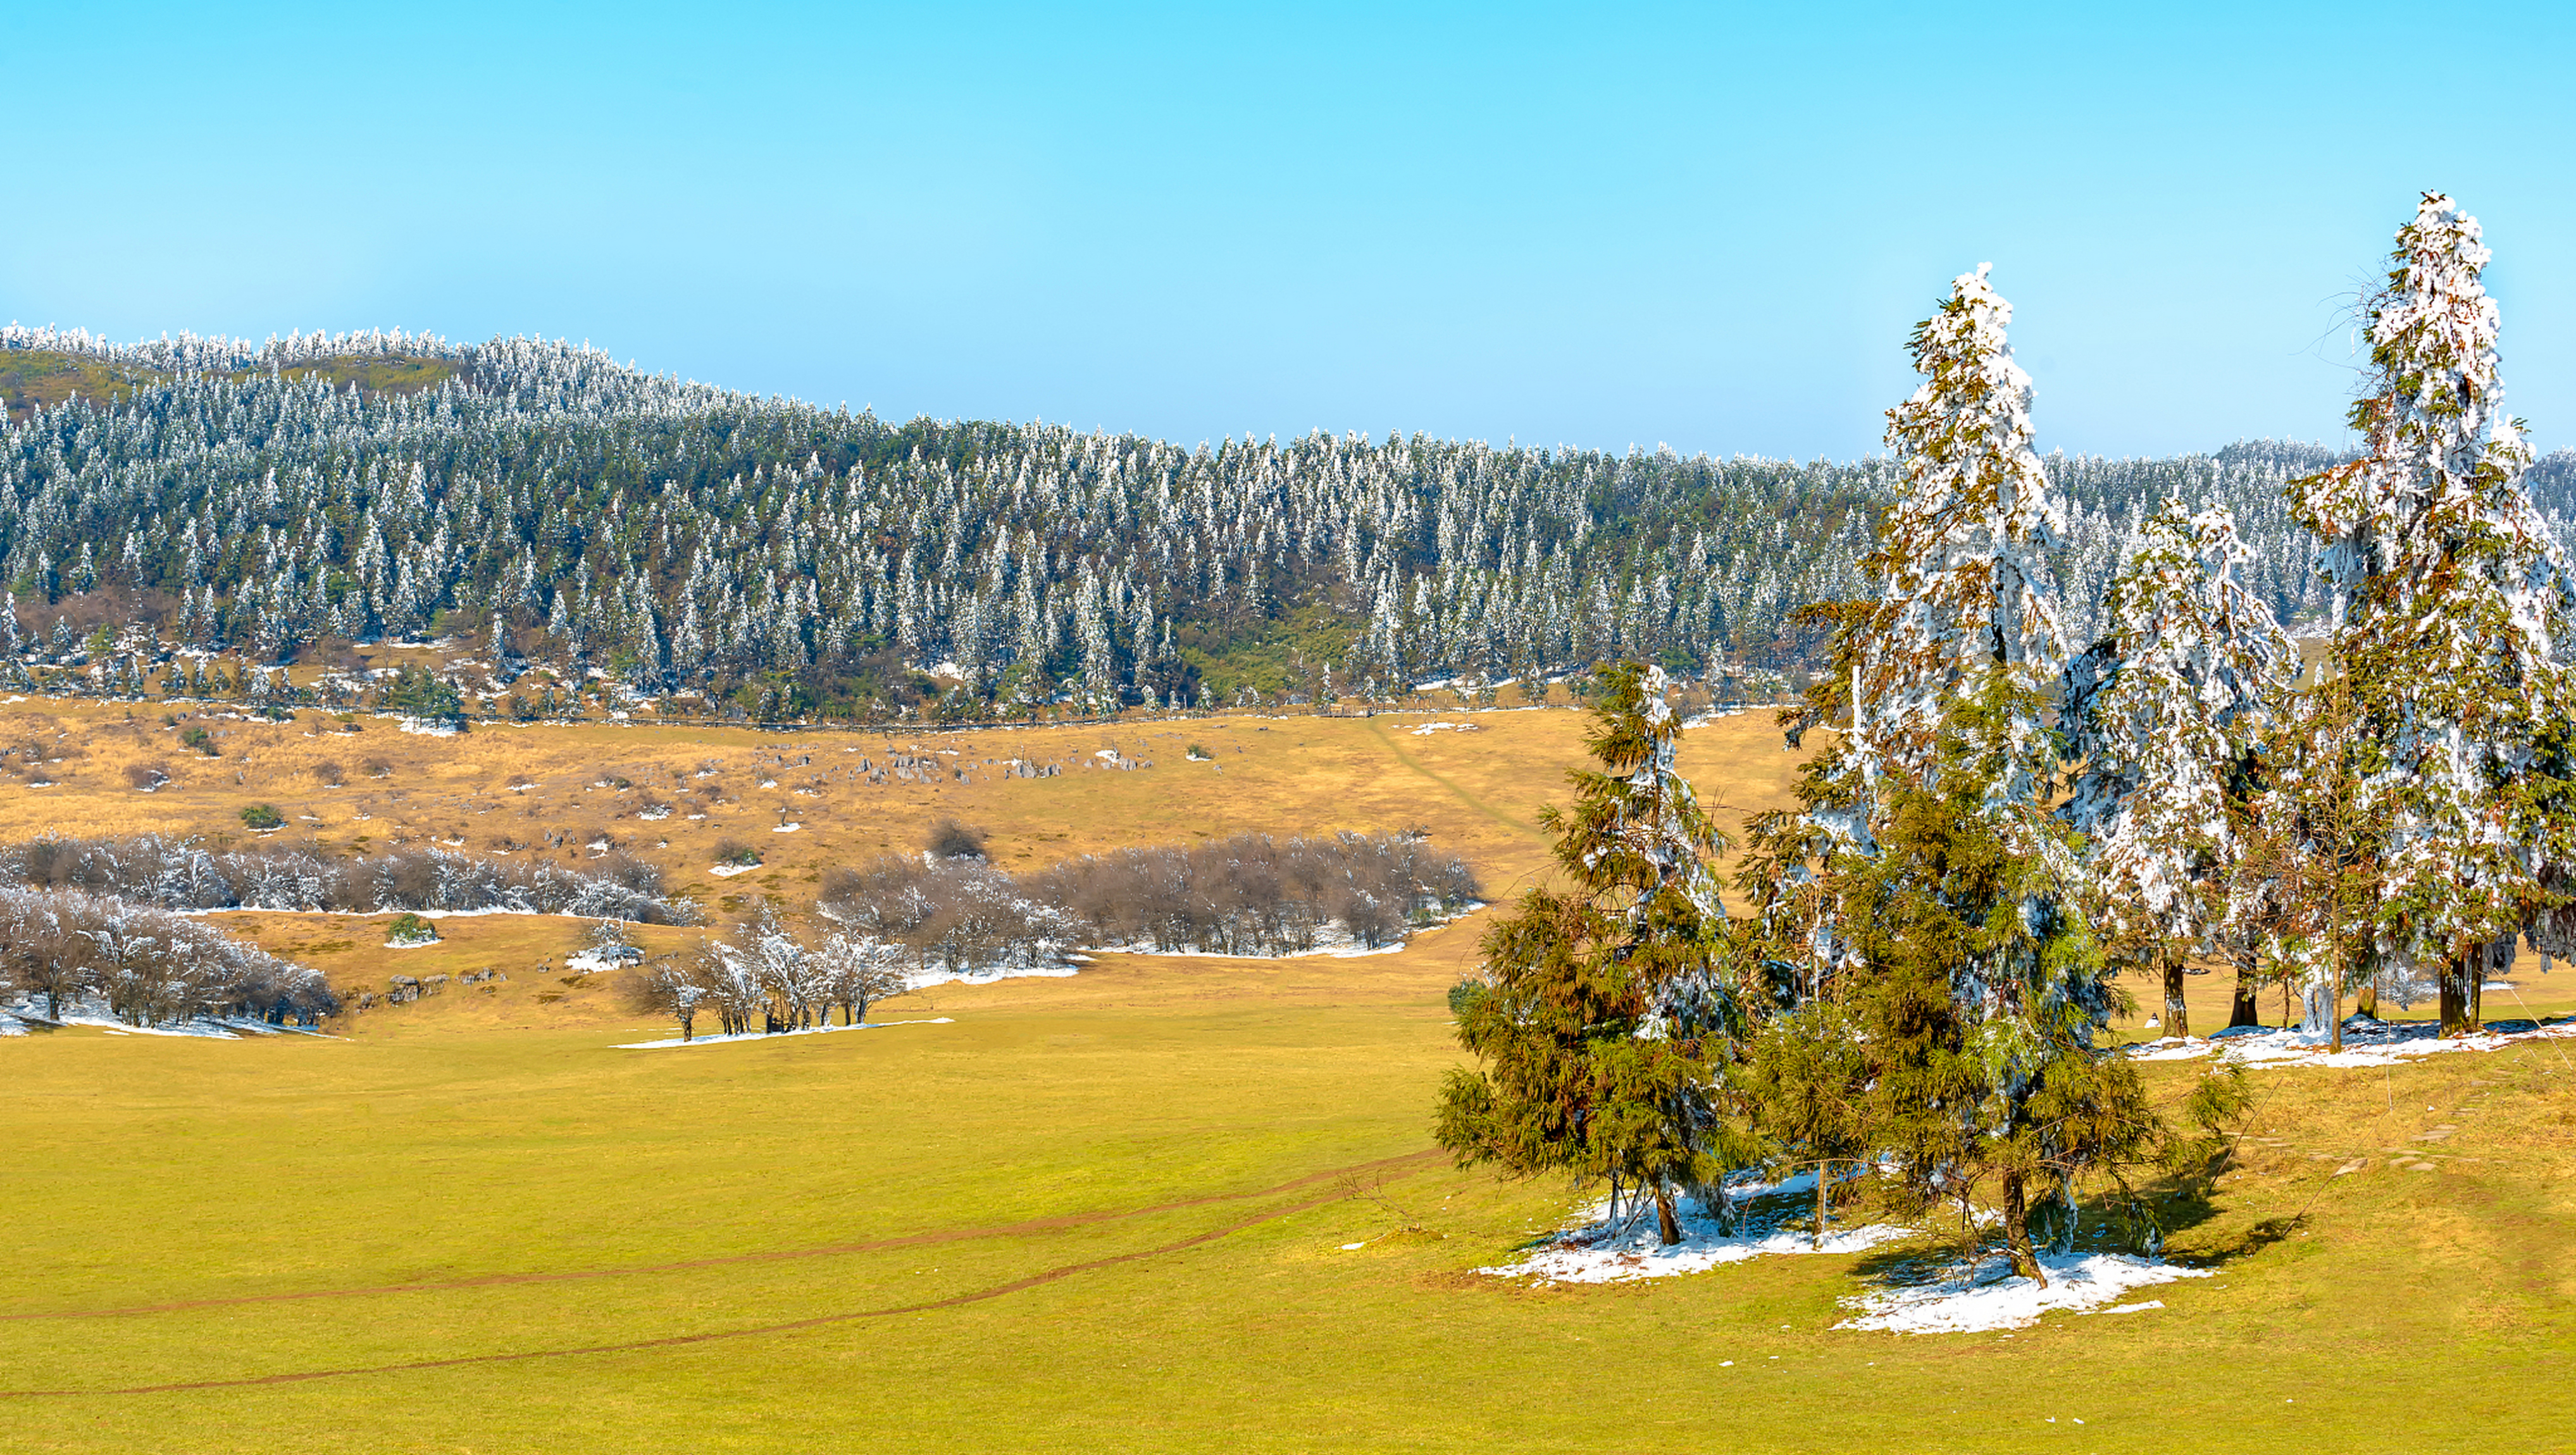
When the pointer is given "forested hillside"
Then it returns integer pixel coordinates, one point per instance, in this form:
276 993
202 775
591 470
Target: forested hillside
536 503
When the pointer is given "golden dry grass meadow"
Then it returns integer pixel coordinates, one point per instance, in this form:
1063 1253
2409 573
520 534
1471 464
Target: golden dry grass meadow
1105 1212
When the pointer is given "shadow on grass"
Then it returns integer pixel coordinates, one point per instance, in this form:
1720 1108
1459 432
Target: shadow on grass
2104 1226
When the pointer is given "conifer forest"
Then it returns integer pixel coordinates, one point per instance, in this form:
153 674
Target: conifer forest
211 517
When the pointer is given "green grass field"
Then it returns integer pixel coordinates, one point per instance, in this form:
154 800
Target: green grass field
1108 1212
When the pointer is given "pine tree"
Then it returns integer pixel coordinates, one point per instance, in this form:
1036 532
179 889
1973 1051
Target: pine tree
1966 607
2166 713
1609 1012
2451 614
1981 1011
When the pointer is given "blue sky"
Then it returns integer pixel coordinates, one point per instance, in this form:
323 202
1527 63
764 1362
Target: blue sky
1709 226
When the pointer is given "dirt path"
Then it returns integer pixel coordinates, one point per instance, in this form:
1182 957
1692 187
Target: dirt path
1462 795
1407 1163
1400 1165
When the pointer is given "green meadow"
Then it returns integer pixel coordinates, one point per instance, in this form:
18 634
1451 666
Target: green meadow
1111 1212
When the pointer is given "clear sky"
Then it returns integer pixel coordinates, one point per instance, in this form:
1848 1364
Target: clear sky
1707 225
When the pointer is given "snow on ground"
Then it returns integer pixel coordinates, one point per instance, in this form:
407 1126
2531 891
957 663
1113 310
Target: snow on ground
766 1035
429 727
1770 1218
1598 1251
927 978
2365 1043
1428 728
91 1011
727 871
1334 943
1986 1295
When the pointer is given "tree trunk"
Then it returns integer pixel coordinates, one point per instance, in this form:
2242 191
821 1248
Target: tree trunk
2461 977
2025 1259
2177 1015
2244 1013
1666 1224
1823 1170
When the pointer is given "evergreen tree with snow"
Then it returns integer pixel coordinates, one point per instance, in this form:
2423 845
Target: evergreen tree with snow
2166 713
1609 1012
1980 1019
1966 610
2451 623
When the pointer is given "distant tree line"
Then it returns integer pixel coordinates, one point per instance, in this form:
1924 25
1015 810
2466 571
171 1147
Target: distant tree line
63 948
266 505
181 874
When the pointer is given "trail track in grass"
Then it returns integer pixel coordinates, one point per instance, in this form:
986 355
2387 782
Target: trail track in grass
668 1341
1391 1166
1461 794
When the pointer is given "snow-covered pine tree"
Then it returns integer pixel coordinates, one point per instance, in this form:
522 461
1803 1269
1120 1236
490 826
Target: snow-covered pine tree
1976 1024
2451 608
2164 713
1966 605
1609 1012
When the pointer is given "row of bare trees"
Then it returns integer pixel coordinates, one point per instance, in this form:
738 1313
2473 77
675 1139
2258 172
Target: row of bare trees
1246 895
765 977
174 873
67 948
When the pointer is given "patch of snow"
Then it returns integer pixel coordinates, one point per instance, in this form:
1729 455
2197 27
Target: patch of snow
988 974
1599 1251
2381 1043
787 828
727 871
1428 728
428 727
1987 1295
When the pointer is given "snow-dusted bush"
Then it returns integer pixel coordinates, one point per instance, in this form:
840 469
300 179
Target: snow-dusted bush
175 873
62 947
1247 895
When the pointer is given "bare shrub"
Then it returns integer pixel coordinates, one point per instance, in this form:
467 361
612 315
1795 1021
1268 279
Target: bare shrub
376 767
954 840
151 967
147 776
330 774
1247 895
